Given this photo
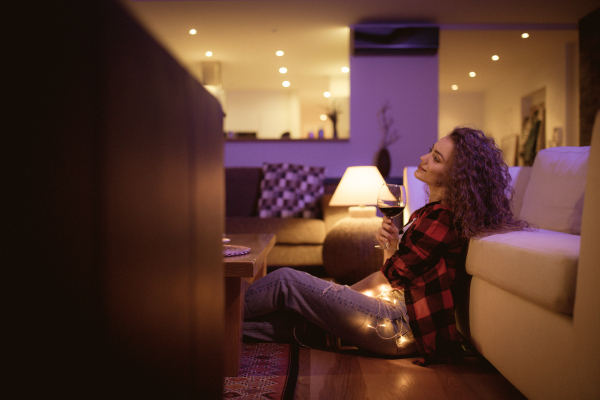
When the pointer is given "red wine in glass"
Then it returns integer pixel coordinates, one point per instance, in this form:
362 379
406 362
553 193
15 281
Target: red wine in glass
391 201
390 211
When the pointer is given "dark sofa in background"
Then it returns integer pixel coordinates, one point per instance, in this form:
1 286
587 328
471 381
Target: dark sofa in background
299 240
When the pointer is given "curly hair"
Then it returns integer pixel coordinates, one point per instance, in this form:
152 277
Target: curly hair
478 186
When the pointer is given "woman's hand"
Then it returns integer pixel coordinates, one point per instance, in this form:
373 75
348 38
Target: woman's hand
388 236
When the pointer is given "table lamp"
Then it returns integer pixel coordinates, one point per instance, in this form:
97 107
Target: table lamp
349 252
358 189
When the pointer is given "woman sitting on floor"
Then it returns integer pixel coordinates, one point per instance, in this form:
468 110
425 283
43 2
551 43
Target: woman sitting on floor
468 184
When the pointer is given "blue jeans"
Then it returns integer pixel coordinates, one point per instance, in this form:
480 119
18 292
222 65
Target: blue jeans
277 303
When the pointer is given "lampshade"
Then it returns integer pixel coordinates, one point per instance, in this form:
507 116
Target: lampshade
358 187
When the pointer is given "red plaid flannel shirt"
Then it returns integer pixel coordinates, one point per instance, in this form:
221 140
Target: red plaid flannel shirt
426 264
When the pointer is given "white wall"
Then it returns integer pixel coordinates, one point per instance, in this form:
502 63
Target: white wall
460 109
553 68
268 113
547 63
411 86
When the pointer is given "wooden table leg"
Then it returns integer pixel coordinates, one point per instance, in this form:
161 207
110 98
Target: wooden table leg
261 272
235 290
233 325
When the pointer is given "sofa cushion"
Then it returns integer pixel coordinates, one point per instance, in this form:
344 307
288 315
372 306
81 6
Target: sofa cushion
553 199
289 190
288 230
296 256
539 266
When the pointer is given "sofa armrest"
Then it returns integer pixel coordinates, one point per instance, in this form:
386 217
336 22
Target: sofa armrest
519 179
416 196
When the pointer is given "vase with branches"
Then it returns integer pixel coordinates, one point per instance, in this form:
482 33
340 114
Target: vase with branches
332 114
390 136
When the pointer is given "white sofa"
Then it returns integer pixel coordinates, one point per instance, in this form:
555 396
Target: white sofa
533 305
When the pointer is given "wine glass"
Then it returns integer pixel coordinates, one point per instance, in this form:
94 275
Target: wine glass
391 201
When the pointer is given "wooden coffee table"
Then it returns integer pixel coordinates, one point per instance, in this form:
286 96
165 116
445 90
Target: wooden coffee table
239 272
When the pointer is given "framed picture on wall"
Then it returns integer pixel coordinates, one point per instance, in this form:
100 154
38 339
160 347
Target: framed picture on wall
509 147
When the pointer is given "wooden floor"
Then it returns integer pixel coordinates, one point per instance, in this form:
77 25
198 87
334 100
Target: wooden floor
349 374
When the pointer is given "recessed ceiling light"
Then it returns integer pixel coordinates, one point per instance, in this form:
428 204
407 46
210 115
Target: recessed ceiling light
345 70
525 35
323 117
283 70
472 74
209 54
454 87
495 57
279 53
286 83
193 31
327 94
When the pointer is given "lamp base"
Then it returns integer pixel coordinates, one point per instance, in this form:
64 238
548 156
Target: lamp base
349 252
362 211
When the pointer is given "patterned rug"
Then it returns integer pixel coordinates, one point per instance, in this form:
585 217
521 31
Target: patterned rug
267 371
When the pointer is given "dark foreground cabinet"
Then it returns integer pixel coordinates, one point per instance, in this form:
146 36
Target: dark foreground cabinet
114 204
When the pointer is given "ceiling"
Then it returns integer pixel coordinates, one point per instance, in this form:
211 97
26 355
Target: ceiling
245 34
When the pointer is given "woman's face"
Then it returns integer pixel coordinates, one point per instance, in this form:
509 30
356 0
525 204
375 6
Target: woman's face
435 164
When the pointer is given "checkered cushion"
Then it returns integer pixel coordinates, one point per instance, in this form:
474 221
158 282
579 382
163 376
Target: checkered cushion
289 190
